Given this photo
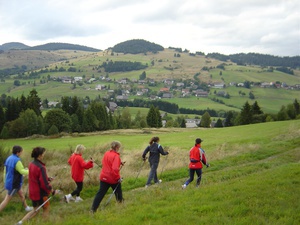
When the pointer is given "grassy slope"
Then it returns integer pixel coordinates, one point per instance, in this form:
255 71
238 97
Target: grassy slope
253 178
185 67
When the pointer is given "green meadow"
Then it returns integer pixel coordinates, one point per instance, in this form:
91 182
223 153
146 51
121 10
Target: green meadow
253 177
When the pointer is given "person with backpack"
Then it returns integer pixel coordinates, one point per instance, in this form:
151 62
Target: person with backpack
197 157
155 150
78 166
13 177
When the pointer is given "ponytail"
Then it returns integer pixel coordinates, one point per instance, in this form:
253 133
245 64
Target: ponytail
154 139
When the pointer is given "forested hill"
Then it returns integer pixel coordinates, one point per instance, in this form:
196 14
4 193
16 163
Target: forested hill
137 46
13 45
258 59
47 47
65 46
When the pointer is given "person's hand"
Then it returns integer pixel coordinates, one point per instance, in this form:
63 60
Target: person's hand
123 163
50 179
144 159
207 165
120 180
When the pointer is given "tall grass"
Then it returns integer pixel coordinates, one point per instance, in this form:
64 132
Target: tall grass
253 178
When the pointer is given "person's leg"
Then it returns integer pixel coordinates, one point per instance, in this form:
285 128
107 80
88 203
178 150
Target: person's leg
78 189
192 173
118 192
7 198
100 195
32 213
46 209
5 202
199 174
22 197
152 172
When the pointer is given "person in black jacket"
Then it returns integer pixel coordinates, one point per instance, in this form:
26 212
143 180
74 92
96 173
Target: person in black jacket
155 150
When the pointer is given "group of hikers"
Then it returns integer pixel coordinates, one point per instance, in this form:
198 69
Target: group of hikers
41 190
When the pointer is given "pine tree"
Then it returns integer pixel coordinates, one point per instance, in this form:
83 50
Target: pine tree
246 114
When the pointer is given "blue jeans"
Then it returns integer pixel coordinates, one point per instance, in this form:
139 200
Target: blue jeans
192 173
153 173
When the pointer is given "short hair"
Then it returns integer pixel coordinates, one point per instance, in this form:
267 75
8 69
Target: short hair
16 149
37 151
79 149
198 140
115 144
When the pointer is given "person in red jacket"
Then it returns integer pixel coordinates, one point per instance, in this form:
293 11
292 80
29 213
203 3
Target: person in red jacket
197 157
39 185
78 165
110 175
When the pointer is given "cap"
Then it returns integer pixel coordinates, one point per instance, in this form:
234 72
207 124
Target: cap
198 140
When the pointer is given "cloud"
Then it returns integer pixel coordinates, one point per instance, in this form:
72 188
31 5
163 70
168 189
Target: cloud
227 27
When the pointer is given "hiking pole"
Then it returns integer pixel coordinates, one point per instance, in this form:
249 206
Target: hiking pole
163 167
53 193
140 170
2 190
108 200
120 180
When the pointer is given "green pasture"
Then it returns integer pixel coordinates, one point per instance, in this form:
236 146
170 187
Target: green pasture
253 177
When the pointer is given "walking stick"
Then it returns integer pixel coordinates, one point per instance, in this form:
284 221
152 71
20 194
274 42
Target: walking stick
139 170
163 167
107 202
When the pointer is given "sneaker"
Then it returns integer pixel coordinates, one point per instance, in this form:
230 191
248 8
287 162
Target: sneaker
147 185
183 186
20 222
69 198
28 208
78 199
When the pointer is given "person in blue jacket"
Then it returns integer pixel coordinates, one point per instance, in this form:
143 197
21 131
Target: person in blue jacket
155 150
13 177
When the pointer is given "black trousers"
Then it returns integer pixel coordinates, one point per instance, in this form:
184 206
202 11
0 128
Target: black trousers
103 190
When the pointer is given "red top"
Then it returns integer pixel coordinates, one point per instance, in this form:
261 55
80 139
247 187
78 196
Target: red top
195 157
78 165
39 185
111 163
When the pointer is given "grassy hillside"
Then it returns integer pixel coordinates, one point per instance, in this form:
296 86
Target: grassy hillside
253 178
165 66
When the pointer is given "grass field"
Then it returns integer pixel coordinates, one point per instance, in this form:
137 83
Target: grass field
253 178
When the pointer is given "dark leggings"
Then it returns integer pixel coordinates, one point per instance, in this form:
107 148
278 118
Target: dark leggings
192 173
78 189
102 191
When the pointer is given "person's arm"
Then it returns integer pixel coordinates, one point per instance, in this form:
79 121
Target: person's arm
44 181
161 150
20 168
145 152
116 168
84 164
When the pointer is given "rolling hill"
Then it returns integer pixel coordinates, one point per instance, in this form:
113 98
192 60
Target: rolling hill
195 71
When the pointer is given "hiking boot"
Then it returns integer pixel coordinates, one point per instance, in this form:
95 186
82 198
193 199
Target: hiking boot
147 185
20 222
78 199
183 186
28 208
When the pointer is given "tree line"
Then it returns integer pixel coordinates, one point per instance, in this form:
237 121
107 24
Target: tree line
22 117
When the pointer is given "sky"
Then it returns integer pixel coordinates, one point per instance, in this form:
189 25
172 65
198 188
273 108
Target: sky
222 26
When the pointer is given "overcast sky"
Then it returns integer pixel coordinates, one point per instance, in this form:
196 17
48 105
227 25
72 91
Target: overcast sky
223 26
